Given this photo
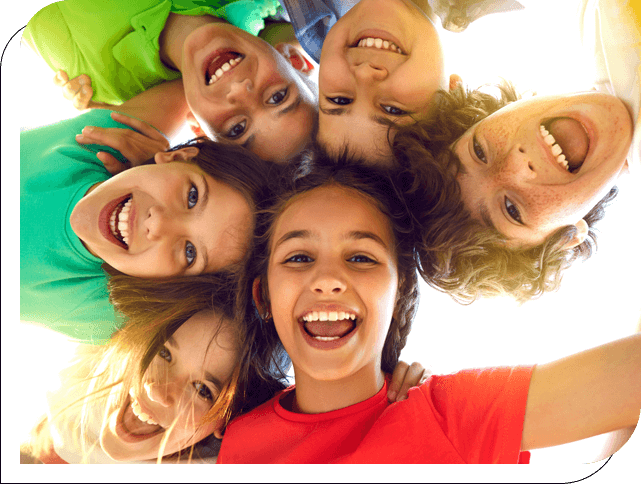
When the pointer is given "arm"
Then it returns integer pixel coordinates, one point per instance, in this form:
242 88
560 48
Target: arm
586 394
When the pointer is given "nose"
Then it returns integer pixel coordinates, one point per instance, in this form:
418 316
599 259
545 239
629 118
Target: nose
164 395
367 72
328 280
160 223
240 91
522 163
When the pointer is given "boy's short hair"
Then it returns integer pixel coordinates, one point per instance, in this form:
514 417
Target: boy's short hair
458 254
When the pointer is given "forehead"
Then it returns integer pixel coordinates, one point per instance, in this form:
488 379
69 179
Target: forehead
333 206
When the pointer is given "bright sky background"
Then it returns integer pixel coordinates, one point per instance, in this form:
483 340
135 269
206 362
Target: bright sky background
599 300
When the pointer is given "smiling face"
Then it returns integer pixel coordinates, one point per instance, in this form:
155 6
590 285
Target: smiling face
381 61
332 281
240 89
529 181
163 220
180 386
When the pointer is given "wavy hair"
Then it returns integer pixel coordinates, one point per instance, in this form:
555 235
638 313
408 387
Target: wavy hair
458 254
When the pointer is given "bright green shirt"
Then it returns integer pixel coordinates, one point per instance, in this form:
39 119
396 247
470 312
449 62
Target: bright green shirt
62 285
115 42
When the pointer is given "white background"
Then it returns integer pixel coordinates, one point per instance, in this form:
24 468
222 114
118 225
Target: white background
599 301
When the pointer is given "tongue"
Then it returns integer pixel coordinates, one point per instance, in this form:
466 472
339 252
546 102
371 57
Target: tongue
572 138
329 328
219 61
135 426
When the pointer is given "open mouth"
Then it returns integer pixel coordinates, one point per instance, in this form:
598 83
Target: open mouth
378 39
119 221
328 329
568 141
219 64
135 425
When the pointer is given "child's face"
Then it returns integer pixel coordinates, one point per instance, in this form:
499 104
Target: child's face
180 387
260 102
361 86
332 256
170 219
511 174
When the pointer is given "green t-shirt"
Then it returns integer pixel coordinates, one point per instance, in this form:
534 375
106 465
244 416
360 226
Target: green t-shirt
62 285
115 42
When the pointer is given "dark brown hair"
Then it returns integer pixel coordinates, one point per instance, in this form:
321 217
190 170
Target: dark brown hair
378 186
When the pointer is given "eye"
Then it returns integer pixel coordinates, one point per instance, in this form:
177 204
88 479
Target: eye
362 259
190 253
478 150
278 97
165 354
341 101
513 211
394 111
203 391
299 259
192 197
237 130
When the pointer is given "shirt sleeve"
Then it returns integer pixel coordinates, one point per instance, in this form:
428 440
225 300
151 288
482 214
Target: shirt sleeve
482 412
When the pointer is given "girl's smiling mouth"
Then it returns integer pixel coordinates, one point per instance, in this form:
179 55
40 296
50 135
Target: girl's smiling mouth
328 329
219 62
115 221
133 425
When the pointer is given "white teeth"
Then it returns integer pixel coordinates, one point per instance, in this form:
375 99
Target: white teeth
379 44
142 416
227 66
328 316
121 224
557 152
326 338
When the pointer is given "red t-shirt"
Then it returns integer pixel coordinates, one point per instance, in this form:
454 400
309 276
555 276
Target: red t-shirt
474 416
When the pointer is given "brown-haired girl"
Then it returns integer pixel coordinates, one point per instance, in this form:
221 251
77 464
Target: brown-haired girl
189 213
335 280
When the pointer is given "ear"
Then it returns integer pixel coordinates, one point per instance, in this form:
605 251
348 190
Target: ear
218 430
295 57
194 125
257 295
455 80
183 154
582 229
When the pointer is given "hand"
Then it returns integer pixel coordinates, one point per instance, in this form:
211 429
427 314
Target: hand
404 377
78 90
136 147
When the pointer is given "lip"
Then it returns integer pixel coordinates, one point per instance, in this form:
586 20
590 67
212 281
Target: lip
208 60
328 345
123 433
381 34
103 221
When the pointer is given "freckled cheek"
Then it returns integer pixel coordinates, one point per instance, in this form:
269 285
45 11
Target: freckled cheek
552 207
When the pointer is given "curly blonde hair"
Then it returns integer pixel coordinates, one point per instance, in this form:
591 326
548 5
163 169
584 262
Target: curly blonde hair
458 254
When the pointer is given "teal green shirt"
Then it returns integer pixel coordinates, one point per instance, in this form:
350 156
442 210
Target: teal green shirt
62 285
115 42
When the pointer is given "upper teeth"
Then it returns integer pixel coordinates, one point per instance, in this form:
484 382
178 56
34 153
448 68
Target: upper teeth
123 217
379 44
224 68
328 316
556 149
142 416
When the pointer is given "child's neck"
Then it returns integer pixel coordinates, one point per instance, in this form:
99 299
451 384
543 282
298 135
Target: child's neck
173 35
319 396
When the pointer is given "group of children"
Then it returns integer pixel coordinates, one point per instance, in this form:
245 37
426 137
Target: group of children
198 274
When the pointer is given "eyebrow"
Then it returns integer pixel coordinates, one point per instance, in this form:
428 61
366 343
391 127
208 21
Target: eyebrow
172 341
203 205
217 383
485 216
333 111
293 105
354 235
